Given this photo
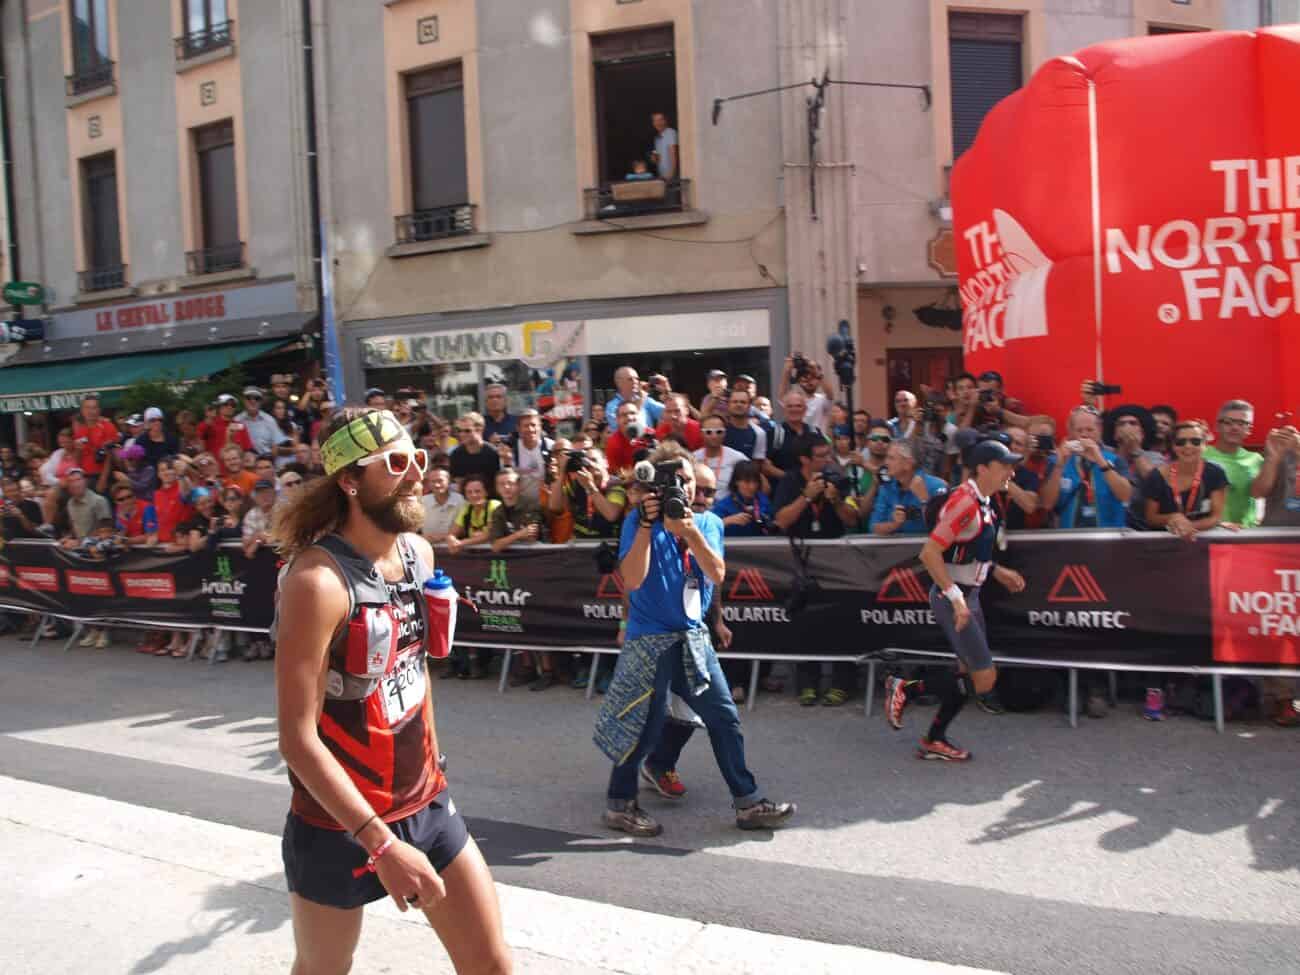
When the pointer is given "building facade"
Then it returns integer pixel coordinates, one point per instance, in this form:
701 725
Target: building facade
160 192
483 223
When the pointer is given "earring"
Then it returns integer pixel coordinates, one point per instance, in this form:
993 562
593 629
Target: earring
353 492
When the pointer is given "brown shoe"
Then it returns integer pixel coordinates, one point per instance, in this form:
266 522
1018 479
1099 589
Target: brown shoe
631 819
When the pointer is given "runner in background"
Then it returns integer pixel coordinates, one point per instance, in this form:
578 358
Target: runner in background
371 815
959 557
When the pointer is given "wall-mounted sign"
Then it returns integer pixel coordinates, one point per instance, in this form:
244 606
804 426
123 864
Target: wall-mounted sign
426 30
435 348
201 308
40 403
94 127
24 293
208 93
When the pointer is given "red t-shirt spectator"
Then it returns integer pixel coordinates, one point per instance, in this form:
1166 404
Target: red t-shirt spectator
169 505
103 432
619 451
691 433
214 434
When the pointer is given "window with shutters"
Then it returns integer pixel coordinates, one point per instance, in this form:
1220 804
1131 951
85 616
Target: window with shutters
215 165
638 155
436 151
985 57
102 232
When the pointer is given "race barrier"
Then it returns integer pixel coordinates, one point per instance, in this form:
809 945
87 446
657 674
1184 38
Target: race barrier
1093 599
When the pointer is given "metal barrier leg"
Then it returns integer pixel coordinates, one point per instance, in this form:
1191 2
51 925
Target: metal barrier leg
753 686
505 671
40 630
1074 698
192 647
871 688
76 632
593 675
217 638
1112 680
1218 703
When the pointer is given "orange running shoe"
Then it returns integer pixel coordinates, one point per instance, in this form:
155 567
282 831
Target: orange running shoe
667 784
941 751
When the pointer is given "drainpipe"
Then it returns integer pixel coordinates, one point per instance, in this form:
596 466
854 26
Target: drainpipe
6 146
331 362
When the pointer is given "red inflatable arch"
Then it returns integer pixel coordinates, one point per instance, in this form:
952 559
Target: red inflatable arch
1133 214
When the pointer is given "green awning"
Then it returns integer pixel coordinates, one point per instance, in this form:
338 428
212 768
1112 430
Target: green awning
60 385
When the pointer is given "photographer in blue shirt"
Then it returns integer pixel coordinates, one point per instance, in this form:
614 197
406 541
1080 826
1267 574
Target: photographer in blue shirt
667 564
901 500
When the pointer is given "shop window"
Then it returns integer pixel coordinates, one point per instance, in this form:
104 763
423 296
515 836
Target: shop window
101 228
214 149
208 27
435 120
91 66
638 153
986 64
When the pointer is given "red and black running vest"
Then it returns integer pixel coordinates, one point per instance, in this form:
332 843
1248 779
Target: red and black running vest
377 717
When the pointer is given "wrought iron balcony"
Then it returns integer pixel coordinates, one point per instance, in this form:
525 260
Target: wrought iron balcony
451 221
214 260
105 278
90 77
634 198
205 39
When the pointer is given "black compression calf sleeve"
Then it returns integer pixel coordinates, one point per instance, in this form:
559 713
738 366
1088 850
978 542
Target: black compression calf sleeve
952 698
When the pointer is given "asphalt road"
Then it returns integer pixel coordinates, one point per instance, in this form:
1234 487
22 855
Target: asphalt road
1123 846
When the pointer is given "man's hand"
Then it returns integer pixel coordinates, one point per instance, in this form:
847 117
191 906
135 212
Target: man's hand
453 544
1092 451
832 493
919 488
503 451
960 615
681 527
814 489
741 519
1129 442
650 507
900 516
1085 393
1010 578
1179 526
406 872
1282 441
724 634
587 479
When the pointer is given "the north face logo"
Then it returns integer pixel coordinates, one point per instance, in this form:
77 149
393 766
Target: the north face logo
1006 298
901 586
1076 584
750 586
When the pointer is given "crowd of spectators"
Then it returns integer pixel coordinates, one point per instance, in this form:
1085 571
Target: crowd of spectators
814 471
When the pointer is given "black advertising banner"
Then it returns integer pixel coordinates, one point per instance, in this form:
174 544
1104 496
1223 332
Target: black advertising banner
1145 599
215 587
1091 597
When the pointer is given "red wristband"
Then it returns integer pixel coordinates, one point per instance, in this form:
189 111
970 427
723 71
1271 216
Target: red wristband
370 860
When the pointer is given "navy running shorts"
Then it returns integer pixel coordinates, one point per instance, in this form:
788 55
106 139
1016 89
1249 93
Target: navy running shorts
318 863
971 645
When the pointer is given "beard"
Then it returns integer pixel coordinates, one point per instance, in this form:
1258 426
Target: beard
395 513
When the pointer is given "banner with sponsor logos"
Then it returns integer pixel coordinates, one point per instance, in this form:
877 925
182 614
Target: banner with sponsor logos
218 587
1091 597
1099 598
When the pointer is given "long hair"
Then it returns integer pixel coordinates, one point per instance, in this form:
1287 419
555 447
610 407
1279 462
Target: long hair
321 506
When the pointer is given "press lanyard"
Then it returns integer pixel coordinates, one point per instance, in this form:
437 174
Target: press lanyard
1186 502
686 557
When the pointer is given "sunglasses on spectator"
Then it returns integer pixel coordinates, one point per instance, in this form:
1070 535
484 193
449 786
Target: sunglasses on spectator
705 491
1232 421
1188 441
399 461
880 438
712 432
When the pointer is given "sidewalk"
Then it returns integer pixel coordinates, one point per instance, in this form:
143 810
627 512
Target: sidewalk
104 886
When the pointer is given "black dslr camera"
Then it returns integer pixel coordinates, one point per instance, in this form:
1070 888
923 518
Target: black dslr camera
665 482
798 366
837 479
578 461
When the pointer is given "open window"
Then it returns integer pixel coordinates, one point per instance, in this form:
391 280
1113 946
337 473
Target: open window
638 155
101 229
435 121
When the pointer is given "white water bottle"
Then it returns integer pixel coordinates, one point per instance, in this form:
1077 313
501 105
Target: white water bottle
440 596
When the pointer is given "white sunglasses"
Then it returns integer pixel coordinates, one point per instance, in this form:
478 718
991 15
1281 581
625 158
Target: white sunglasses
399 460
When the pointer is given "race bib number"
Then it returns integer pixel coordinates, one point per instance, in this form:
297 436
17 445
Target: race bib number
402 690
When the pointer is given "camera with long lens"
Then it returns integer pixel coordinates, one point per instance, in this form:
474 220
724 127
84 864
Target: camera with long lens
934 409
664 481
578 461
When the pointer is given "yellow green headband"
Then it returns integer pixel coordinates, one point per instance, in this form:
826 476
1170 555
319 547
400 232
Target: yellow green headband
361 437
